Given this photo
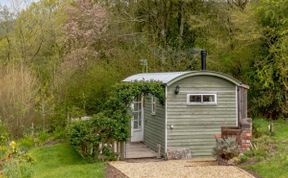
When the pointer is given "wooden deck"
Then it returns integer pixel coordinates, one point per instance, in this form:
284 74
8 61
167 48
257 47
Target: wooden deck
138 150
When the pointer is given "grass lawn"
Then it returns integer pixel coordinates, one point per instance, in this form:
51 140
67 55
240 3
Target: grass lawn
61 161
271 162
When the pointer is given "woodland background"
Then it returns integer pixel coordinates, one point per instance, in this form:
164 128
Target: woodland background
60 58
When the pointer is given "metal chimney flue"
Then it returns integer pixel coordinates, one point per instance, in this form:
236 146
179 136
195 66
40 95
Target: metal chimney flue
203 59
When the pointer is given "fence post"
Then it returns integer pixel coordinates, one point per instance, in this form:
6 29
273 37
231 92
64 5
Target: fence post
122 150
114 146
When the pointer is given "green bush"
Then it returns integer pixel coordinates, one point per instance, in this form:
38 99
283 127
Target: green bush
59 133
87 136
78 136
226 148
3 134
263 147
243 158
3 140
3 151
26 143
15 168
18 166
260 127
43 136
112 124
108 153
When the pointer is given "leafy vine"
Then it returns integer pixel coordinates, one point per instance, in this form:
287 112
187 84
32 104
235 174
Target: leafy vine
112 124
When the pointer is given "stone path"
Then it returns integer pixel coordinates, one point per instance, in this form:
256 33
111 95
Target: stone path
174 169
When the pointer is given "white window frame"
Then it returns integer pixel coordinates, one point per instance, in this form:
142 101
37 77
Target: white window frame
138 100
153 102
202 102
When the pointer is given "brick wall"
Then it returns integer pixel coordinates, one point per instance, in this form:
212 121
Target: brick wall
243 134
246 137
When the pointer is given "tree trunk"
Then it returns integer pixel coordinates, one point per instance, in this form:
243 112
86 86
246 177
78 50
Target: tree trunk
181 18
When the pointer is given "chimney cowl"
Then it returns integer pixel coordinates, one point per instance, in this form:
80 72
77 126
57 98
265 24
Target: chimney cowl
203 59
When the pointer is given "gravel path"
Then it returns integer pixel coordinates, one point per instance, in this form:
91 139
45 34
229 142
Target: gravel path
178 169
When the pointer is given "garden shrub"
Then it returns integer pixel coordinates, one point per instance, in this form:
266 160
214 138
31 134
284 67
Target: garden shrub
43 136
17 162
3 134
3 140
243 158
255 130
86 137
259 128
59 133
16 168
3 151
112 124
226 148
108 153
26 143
78 136
263 147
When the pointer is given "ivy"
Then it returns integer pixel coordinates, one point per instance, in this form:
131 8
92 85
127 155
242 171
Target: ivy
112 124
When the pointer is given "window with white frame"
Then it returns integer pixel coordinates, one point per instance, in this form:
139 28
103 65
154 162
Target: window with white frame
201 99
137 113
153 105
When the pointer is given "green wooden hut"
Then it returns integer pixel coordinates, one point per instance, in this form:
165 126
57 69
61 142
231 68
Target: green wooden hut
197 105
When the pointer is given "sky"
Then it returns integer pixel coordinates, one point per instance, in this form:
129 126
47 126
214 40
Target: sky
19 4
4 2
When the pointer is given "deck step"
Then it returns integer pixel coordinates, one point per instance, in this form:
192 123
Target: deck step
139 150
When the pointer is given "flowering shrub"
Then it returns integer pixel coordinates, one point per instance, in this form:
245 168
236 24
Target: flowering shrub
13 146
17 163
20 166
14 162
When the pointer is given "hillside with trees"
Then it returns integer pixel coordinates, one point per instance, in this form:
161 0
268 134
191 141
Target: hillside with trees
59 59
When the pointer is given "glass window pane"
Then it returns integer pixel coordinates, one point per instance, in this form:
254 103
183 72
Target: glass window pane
139 118
137 106
136 124
195 98
135 115
209 98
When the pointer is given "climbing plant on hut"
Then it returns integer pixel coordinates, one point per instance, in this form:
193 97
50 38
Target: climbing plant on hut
94 138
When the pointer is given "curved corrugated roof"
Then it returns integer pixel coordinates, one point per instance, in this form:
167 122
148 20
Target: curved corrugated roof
163 77
169 78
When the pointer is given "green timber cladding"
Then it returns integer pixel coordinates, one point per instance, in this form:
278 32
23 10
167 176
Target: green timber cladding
154 125
195 125
178 125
